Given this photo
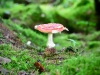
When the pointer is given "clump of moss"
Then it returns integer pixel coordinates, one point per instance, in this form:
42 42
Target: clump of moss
94 36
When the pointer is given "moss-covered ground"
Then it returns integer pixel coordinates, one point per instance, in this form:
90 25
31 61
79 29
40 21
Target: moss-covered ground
83 60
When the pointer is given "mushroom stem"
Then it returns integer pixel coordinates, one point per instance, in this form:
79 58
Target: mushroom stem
50 42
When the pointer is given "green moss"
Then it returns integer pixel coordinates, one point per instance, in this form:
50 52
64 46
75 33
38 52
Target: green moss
1 34
20 59
93 44
23 59
73 11
94 36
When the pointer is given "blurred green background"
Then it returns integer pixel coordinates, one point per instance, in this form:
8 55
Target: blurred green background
78 15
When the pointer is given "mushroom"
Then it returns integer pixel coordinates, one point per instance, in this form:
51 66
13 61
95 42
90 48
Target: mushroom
50 28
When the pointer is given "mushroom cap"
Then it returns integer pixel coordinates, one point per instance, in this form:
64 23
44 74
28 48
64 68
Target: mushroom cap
50 28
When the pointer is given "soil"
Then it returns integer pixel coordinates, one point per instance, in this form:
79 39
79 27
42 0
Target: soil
8 36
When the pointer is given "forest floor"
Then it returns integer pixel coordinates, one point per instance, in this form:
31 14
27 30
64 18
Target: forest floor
20 61
8 36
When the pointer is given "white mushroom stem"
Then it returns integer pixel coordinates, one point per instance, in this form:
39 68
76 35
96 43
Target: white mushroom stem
50 42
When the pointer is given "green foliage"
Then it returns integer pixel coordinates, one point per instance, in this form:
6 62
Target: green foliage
79 13
49 13
88 26
6 3
69 11
76 6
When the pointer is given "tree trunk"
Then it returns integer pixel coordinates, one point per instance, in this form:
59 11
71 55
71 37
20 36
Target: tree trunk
97 9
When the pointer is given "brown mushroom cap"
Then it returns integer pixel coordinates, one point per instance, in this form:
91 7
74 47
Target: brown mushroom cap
50 28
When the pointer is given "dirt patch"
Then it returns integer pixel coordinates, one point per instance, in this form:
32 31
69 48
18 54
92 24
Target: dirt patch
8 37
